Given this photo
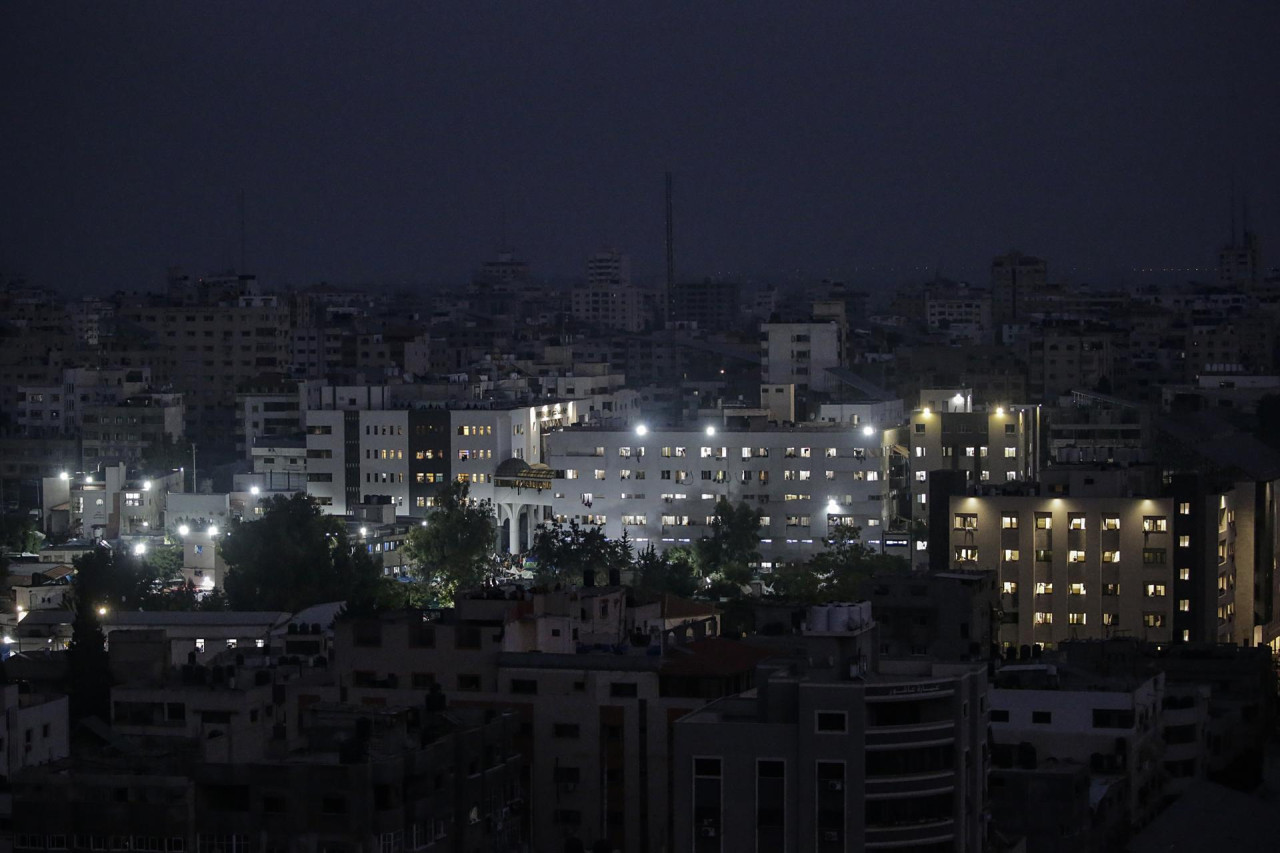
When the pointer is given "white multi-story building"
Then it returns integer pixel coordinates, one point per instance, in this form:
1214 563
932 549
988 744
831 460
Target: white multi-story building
800 353
661 486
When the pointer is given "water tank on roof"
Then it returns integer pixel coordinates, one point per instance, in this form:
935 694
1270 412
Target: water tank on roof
819 618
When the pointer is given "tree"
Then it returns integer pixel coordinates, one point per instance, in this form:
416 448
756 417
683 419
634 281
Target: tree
454 549
567 552
733 545
294 557
672 571
838 573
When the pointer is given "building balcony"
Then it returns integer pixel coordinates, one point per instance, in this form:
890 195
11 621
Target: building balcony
884 737
909 835
910 784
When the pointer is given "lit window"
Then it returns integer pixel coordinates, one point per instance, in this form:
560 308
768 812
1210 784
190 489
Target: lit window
1155 524
1184 605
1154 590
1077 589
1011 555
1184 574
1076 522
1044 588
1111 522
1184 541
1010 452
966 522
1184 508
1075 618
1009 521
1110 618
1042 618
1044 521
1010 588
1075 556
966 554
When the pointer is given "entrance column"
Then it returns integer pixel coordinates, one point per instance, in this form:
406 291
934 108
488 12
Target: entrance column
513 534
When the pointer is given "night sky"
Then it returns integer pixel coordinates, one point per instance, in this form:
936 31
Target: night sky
383 142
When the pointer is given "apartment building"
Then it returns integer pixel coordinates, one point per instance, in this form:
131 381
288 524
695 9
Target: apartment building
801 354
1064 357
961 313
987 448
1177 568
1105 718
131 429
208 351
837 750
595 703
661 485
1016 279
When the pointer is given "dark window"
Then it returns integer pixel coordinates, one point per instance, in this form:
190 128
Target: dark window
832 722
469 682
1043 717
623 690
569 730
333 805
524 686
999 716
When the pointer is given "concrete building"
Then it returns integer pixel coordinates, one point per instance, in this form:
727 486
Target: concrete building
1015 279
994 447
837 750
596 703
132 429
207 351
661 485
1177 568
962 314
800 354
1106 718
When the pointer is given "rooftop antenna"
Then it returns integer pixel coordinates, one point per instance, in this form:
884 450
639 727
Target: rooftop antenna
1232 241
671 254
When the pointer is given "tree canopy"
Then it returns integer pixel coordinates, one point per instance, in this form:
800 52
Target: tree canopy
837 573
673 571
294 557
454 549
734 544
564 552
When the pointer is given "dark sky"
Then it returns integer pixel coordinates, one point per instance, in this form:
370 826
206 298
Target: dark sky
383 141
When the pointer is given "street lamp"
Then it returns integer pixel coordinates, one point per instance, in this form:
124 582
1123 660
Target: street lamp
254 490
711 430
213 530
139 549
102 611
642 430
868 430
183 530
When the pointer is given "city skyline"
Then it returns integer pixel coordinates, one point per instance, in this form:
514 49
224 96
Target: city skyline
407 146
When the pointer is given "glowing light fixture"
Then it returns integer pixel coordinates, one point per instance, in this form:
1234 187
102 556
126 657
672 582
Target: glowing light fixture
868 430
999 410
254 490
364 531
64 476
926 411
711 430
183 530
146 485
139 549
102 611
213 530
642 430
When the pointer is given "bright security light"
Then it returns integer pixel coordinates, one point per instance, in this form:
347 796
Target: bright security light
642 430
925 411
183 530
364 531
958 399
999 410
868 430
711 430
213 530
207 583
88 478
64 476
832 507
8 641
139 549
102 611
254 490
146 485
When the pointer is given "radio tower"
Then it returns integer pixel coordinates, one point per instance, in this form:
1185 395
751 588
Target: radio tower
671 258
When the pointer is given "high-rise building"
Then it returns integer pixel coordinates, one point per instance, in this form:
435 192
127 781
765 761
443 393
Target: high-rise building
1015 277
